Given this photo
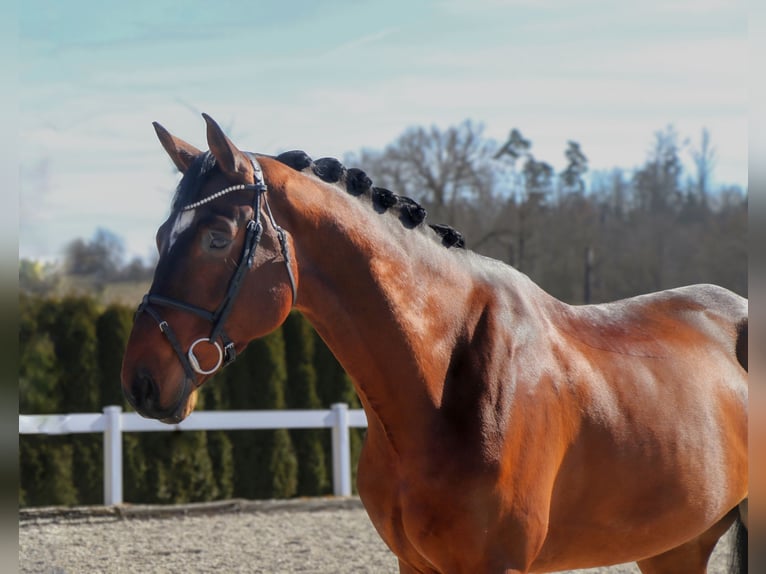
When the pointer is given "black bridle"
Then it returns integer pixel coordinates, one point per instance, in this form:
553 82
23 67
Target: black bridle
253 233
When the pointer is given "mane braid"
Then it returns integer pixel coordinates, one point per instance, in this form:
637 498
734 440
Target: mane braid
329 169
357 182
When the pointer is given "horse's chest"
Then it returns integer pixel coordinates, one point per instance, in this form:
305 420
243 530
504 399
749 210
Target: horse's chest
423 516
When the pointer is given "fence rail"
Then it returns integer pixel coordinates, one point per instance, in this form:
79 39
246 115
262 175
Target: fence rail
113 422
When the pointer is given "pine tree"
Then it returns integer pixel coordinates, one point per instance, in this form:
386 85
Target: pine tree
73 333
283 465
45 469
213 397
38 374
45 462
302 394
179 466
112 329
264 461
189 472
335 386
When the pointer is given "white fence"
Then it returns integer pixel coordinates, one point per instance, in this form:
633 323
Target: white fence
113 422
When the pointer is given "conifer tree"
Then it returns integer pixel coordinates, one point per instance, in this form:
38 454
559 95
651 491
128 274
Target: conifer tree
189 471
38 375
178 467
302 394
72 330
265 462
45 469
335 386
213 397
45 462
112 329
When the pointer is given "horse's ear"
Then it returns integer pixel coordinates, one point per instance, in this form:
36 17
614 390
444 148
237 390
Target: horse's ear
180 152
233 162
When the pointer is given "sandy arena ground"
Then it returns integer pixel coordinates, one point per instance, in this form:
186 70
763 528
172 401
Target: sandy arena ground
315 535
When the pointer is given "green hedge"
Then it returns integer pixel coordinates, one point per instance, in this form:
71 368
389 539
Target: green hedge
70 358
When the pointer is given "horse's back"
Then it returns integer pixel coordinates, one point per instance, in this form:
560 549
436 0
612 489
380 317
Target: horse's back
661 323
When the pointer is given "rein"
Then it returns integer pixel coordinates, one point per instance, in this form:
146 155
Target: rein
226 351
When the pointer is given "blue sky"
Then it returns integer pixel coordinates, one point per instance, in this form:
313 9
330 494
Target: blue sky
335 76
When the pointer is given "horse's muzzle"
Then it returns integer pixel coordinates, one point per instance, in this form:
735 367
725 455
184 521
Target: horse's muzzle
144 396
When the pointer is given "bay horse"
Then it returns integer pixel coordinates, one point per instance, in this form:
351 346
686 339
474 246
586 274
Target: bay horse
508 431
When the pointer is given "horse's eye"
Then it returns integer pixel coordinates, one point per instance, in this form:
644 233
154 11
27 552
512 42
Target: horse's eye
218 240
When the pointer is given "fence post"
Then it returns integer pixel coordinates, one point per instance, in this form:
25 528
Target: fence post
113 455
341 451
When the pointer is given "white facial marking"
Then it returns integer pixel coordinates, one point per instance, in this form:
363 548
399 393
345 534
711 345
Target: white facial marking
183 220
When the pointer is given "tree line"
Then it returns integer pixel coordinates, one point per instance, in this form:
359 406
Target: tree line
585 237
70 357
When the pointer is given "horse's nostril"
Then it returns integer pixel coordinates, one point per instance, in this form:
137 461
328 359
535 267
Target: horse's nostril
144 391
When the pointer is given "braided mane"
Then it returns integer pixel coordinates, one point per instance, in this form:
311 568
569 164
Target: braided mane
357 182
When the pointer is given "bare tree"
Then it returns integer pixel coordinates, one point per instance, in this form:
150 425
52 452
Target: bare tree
99 258
451 172
442 168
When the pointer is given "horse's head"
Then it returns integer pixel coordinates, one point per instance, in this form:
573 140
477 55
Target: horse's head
219 240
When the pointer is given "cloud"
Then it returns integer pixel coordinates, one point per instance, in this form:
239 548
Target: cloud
675 6
700 6
474 6
361 41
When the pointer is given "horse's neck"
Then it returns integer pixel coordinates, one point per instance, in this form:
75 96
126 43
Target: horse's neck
390 302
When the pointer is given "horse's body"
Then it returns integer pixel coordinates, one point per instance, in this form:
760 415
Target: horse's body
508 431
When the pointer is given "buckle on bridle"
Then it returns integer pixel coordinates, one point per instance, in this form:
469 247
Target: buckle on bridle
229 353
